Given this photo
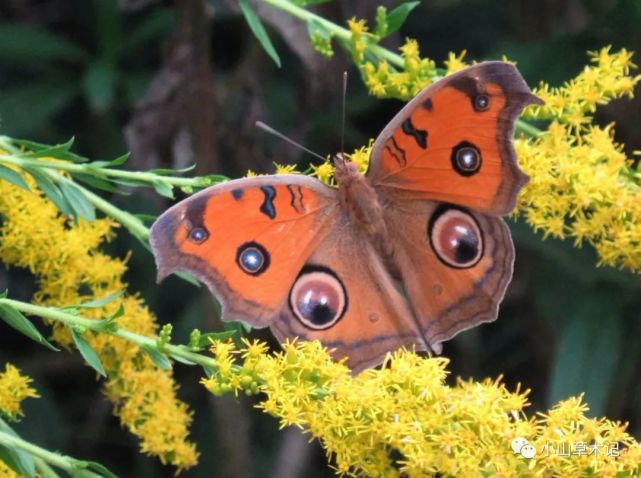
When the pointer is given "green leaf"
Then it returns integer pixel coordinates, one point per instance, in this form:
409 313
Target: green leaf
397 17
180 359
169 171
109 164
78 201
95 467
130 181
109 324
15 319
58 151
158 358
98 183
4 294
50 189
103 301
88 353
164 189
258 30
34 47
18 460
13 177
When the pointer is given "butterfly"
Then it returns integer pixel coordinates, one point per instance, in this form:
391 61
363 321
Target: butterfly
407 255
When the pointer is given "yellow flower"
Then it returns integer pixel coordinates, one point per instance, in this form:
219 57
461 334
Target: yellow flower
14 388
357 27
455 62
406 406
283 168
360 157
6 472
324 172
71 269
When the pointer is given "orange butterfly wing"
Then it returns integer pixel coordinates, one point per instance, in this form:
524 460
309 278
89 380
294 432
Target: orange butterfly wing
246 239
452 142
455 265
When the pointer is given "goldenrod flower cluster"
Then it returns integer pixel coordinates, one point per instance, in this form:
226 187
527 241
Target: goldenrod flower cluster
384 81
574 103
404 420
582 185
14 388
71 269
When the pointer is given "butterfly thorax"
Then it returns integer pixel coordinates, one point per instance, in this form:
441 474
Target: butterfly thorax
359 200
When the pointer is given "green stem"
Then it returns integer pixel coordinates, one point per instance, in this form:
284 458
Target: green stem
17 158
526 128
72 320
336 30
63 462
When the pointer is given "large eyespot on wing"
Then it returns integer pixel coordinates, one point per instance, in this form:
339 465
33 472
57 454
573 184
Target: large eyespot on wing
345 297
246 239
455 265
453 141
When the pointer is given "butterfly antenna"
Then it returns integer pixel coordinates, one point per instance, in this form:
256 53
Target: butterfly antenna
269 129
343 116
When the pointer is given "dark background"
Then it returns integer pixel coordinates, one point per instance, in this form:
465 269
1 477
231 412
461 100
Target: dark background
176 82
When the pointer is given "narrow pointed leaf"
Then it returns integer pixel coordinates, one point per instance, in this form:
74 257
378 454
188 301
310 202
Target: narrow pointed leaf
88 353
78 201
13 177
103 301
158 358
397 17
258 30
164 189
95 467
98 183
49 188
180 359
110 164
168 171
15 319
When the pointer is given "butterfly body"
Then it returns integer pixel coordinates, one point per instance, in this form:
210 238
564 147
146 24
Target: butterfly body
409 254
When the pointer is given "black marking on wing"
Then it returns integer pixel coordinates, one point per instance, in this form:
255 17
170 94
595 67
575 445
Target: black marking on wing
195 212
396 151
297 198
267 207
420 135
237 193
428 105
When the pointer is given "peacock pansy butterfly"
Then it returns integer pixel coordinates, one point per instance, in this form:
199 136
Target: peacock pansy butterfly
409 254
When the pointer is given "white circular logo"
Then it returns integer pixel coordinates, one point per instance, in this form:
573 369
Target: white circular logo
521 446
